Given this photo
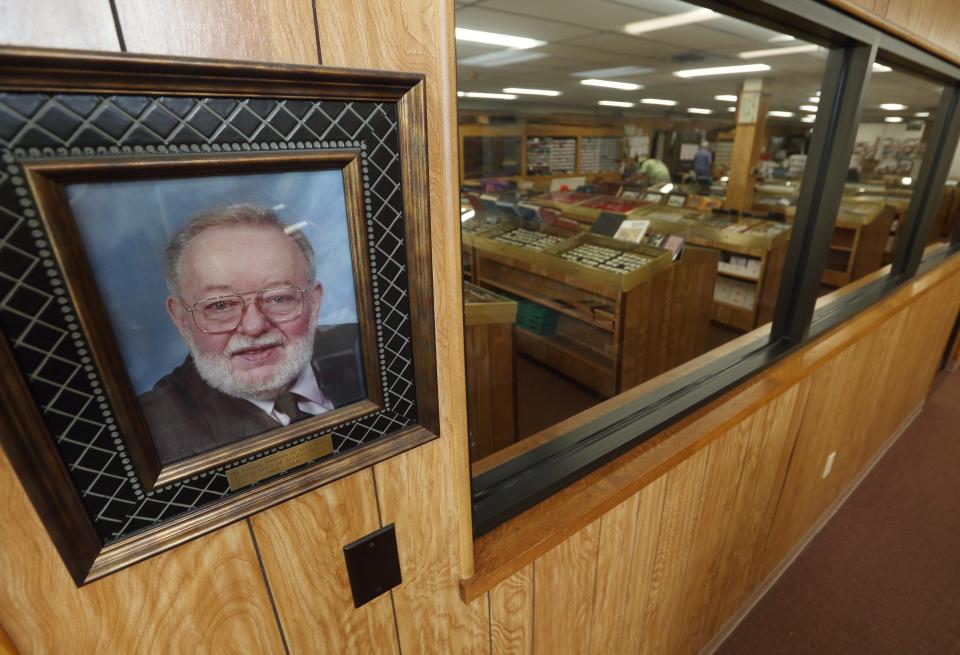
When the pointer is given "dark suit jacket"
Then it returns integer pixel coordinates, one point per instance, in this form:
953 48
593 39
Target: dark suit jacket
186 416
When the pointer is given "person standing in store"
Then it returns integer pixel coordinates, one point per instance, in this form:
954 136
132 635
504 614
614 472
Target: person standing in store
703 167
655 171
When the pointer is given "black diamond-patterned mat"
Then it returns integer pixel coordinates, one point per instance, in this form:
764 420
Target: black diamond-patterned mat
38 318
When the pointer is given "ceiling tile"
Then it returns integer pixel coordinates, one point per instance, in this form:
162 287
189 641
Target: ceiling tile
595 14
477 18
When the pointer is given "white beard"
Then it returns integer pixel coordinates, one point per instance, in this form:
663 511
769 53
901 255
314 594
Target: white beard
216 371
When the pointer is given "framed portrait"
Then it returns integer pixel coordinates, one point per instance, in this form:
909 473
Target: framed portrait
214 290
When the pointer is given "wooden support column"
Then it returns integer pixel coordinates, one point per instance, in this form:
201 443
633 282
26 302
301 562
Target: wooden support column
747 142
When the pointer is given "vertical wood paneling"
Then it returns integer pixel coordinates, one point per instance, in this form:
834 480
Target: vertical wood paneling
80 24
614 583
858 401
878 7
806 494
417 36
416 494
278 31
642 561
301 543
879 357
426 491
206 596
511 614
917 16
563 589
678 525
6 645
762 480
720 484
725 576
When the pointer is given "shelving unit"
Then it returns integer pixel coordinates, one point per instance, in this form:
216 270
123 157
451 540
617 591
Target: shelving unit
548 155
598 154
859 240
613 329
751 255
538 153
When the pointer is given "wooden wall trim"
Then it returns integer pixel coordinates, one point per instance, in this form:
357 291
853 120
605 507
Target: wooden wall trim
518 542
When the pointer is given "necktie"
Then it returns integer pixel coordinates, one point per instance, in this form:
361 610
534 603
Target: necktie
287 403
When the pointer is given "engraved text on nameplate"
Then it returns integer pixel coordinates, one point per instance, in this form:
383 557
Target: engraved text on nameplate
264 467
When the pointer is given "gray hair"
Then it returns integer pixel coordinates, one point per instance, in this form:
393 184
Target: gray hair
247 215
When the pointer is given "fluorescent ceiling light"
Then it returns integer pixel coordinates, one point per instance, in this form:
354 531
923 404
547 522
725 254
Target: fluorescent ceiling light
664 22
906 181
615 103
808 119
922 114
467 214
489 96
699 110
731 109
814 98
531 92
492 38
773 52
666 188
817 94
893 119
781 38
502 58
623 86
781 114
658 101
880 68
812 108
892 106
722 70
618 71
460 94
725 98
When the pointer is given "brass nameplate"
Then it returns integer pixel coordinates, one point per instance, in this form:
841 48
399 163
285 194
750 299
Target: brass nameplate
285 460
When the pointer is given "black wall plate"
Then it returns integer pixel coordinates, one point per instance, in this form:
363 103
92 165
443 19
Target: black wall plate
373 564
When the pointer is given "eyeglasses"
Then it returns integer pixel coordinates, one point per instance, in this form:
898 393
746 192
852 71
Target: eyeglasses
224 313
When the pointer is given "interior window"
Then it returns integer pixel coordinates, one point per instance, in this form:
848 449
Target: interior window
629 172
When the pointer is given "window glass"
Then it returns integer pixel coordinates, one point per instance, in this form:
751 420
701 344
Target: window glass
898 110
946 227
627 199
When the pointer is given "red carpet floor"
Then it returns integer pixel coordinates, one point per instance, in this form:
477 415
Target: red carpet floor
883 576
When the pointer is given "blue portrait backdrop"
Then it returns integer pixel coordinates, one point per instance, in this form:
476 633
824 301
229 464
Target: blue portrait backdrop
125 227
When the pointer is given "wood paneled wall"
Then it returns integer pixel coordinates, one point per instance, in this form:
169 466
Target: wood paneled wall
664 571
658 573
933 24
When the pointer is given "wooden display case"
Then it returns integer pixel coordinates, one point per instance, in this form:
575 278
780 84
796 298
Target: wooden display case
491 379
611 330
896 206
751 254
476 225
859 240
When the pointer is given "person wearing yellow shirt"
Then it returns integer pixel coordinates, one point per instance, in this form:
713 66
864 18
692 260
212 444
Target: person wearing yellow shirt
655 171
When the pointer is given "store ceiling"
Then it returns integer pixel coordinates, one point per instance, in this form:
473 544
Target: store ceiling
584 35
